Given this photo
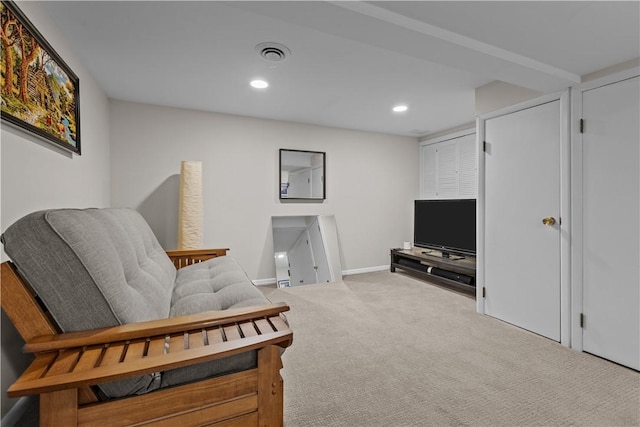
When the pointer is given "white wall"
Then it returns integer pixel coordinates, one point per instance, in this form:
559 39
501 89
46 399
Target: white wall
371 180
498 94
37 175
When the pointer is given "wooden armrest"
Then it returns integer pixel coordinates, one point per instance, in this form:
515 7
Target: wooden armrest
183 252
81 359
184 257
133 331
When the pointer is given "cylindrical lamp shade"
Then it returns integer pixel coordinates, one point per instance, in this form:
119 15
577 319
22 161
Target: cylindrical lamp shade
190 214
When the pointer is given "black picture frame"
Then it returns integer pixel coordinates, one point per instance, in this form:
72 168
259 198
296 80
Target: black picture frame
41 96
311 166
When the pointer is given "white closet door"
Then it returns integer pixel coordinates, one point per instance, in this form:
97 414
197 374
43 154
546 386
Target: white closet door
522 186
611 222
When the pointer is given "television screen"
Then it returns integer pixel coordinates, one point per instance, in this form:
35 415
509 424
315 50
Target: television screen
446 225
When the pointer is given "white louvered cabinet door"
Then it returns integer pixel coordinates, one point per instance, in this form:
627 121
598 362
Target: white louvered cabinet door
448 168
467 167
428 164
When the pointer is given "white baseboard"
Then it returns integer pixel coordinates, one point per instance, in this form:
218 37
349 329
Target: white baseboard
16 412
264 282
272 280
365 270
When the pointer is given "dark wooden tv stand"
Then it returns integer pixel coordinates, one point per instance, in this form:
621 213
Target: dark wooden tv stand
431 265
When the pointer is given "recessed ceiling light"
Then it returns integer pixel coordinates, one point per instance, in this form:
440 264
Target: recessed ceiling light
400 108
259 84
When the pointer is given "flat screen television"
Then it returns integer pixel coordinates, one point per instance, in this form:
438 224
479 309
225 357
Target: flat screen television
448 226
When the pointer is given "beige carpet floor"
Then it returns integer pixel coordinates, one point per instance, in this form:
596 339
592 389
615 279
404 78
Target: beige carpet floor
385 349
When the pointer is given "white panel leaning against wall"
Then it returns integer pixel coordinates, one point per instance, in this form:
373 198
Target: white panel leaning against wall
448 166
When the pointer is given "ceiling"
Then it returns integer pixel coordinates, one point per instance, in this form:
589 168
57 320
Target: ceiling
350 62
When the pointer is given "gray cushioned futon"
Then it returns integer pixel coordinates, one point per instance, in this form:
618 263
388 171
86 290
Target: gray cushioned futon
96 268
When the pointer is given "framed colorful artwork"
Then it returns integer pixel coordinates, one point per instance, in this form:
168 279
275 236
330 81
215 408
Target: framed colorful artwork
40 93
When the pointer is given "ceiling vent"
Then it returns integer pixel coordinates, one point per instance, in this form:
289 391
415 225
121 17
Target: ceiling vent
273 52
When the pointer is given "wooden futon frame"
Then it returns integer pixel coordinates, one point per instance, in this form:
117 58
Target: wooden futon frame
67 365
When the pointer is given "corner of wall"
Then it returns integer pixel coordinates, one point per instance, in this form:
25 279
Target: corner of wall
611 70
498 94
446 132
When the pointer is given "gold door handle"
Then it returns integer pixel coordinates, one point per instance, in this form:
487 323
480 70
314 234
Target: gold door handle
549 221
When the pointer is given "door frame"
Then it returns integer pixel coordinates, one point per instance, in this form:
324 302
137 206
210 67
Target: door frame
577 284
565 211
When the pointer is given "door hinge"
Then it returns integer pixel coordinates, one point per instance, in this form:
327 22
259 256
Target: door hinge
581 125
484 146
484 292
582 320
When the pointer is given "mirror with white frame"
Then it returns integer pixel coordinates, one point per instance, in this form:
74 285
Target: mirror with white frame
302 174
306 250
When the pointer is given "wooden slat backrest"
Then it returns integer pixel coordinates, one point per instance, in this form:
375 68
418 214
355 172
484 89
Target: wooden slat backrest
185 257
21 306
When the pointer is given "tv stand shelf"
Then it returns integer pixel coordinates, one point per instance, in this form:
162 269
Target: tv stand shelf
431 265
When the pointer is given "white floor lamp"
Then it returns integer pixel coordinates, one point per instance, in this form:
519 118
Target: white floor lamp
190 214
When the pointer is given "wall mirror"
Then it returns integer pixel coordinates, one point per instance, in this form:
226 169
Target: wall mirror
305 250
302 174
